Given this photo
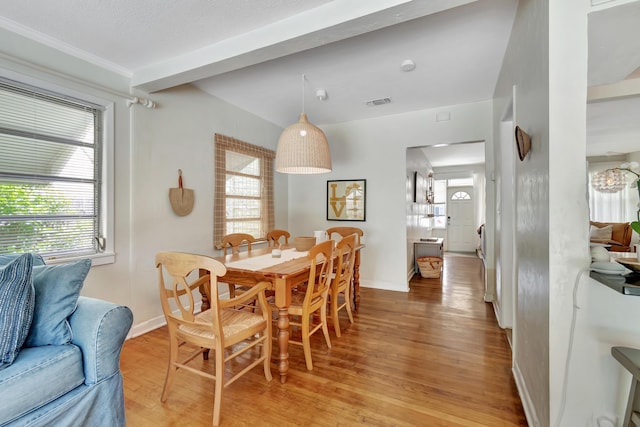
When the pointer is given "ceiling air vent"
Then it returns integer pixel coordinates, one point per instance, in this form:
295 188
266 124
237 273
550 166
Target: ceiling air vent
376 102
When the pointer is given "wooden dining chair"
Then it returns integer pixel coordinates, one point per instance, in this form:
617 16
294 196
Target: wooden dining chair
343 232
346 231
231 243
313 300
220 328
274 236
341 283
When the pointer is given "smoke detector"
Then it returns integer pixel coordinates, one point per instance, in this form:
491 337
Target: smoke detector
407 65
321 94
376 102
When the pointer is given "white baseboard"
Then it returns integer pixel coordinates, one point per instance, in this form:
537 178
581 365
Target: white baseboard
496 311
387 286
525 398
412 273
148 326
151 324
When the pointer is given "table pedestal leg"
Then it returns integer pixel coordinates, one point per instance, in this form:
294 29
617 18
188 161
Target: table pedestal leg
283 343
206 305
356 281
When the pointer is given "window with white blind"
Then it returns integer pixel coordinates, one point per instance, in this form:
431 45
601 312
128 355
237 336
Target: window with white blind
243 189
51 149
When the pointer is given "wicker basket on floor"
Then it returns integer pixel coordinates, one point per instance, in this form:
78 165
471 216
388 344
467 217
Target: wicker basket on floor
430 266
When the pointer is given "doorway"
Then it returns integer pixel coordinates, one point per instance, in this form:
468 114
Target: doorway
461 230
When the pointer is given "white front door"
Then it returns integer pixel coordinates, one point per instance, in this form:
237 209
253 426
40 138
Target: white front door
461 233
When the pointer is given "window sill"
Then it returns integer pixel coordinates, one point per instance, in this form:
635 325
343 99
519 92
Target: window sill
96 259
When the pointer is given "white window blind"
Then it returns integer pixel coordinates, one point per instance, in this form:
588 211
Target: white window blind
50 172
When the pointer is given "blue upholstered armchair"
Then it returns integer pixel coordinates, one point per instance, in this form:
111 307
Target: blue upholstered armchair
67 371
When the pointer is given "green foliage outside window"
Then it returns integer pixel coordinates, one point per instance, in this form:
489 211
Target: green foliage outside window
19 203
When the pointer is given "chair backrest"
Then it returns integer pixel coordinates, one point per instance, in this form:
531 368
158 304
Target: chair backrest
321 256
346 231
274 236
187 273
346 260
234 240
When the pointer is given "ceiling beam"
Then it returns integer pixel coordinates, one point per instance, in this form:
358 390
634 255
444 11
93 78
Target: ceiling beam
334 21
621 89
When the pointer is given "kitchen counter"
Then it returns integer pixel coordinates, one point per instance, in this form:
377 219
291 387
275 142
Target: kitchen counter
626 284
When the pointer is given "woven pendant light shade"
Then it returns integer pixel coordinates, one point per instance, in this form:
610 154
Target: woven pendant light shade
303 149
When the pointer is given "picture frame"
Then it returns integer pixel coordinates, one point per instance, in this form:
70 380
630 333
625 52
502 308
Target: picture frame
346 200
419 187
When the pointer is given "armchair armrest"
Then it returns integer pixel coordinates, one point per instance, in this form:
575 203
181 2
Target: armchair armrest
249 294
99 328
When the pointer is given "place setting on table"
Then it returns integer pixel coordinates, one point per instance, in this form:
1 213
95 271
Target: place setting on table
268 257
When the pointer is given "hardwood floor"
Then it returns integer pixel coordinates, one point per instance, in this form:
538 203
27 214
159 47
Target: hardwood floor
432 357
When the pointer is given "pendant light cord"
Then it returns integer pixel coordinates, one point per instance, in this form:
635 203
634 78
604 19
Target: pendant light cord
303 79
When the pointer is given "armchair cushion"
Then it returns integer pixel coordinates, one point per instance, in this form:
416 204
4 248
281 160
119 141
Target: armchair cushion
57 288
7 258
39 376
99 329
601 233
16 307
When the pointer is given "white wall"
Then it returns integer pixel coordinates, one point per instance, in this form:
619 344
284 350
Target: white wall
552 226
375 150
179 134
605 318
505 212
526 66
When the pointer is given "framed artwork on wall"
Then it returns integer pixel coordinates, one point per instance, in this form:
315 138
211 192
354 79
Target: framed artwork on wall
346 200
419 187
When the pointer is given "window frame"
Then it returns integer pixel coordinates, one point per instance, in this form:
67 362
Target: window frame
106 224
223 144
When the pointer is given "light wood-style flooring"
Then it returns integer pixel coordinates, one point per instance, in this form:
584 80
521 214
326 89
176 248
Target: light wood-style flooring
432 357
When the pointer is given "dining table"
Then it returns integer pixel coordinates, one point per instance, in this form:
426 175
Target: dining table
283 274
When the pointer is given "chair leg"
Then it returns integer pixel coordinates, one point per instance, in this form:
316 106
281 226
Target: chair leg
306 342
219 385
334 316
171 369
325 328
266 353
347 300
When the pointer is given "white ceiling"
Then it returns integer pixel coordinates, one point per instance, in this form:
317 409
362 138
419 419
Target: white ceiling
458 154
253 53
613 124
452 67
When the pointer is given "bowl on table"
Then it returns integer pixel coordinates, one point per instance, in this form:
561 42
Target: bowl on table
304 243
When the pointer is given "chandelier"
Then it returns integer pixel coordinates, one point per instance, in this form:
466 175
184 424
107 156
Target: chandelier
609 181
